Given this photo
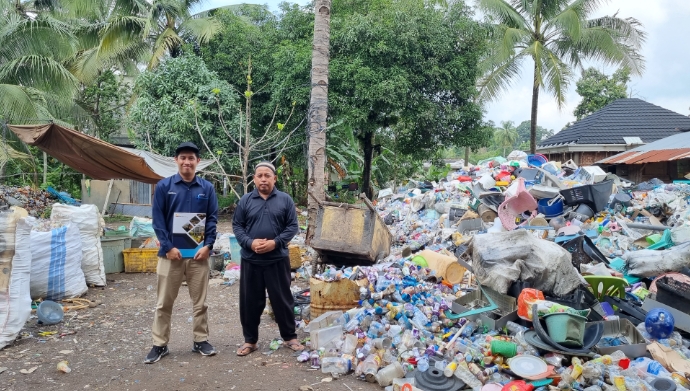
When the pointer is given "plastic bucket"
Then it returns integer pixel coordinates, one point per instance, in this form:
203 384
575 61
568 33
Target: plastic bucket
536 160
554 209
50 312
566 329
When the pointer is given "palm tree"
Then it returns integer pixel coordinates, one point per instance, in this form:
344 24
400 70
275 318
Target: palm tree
557 35
506 135
35 50
318 112
156 29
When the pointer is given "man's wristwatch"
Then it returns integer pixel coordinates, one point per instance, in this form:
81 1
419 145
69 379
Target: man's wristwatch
210 247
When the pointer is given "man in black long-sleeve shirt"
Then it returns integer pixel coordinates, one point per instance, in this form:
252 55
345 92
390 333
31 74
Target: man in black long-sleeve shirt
264 223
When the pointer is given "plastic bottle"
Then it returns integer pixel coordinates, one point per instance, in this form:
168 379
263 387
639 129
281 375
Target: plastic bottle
450 369
419 320
486 373
371 365
340 365
303 357
314 359
375 329
463 373
441 365
515 328
470 328
422 364
363 351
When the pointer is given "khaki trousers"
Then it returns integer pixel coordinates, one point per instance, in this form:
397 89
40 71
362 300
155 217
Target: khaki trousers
171 274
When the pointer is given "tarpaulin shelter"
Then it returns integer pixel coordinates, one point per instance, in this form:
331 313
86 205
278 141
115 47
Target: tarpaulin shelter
96 158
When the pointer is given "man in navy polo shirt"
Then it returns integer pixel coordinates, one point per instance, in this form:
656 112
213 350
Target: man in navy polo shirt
185 210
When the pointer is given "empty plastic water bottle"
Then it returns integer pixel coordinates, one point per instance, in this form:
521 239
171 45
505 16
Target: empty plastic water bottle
422 364
515 328
339 365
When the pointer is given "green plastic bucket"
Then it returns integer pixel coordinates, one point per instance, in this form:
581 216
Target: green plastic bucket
566 329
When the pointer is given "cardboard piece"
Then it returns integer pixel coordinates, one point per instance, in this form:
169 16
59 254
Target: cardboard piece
669 358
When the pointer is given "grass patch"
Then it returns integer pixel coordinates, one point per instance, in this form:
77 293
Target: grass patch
117 219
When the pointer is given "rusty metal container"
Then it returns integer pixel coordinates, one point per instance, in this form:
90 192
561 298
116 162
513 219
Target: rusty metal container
340 295
350 234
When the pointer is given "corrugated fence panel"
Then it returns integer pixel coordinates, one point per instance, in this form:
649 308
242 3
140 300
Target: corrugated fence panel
140 193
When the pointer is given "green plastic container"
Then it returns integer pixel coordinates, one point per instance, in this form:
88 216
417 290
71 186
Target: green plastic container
113 259
566 329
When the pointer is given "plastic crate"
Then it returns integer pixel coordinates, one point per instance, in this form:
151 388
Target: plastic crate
673 293
140 260
596 195
576 195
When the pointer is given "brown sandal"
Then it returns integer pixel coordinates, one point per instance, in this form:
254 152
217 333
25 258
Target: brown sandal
295 346
247 349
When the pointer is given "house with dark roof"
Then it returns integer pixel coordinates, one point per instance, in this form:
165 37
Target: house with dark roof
622 125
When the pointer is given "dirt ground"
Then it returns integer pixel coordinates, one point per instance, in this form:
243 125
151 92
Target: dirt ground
109 343
105 346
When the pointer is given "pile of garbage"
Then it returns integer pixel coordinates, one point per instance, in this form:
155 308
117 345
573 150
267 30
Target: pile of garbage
517 273
36 202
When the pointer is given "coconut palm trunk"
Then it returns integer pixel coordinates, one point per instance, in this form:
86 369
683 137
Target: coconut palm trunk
318 112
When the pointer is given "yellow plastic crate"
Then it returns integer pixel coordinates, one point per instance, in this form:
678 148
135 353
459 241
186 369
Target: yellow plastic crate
140 260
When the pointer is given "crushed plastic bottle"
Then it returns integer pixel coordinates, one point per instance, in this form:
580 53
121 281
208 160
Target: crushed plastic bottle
63 366
463 373
422 364
338 365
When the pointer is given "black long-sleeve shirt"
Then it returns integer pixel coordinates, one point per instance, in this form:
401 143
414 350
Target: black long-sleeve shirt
274 218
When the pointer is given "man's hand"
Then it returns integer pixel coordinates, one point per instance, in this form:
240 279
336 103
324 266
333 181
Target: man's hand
266 246
256 243
202 254
174 254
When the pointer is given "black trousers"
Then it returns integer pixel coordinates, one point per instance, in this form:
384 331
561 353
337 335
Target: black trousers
255 280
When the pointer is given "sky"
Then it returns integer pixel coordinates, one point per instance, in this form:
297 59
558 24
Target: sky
665 81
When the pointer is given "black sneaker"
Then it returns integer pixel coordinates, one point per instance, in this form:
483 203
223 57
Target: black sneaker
204 348
156 353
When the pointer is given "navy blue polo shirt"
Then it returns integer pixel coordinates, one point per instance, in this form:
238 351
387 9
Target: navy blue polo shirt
174 195
274 218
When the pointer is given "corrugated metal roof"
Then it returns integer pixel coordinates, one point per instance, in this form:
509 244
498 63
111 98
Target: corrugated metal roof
675 147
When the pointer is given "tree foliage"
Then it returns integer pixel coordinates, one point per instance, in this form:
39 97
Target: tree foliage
406 66
176 99
557 36
506 135
598 90
523 131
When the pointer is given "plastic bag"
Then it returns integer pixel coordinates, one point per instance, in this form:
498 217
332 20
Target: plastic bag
90 224
527 297
141 227
15 299
56 264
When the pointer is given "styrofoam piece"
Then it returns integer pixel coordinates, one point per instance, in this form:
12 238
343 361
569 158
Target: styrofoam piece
592 174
